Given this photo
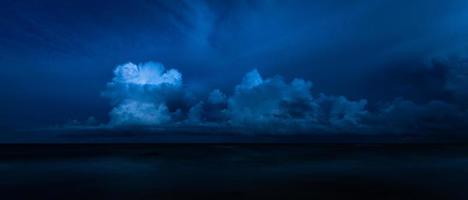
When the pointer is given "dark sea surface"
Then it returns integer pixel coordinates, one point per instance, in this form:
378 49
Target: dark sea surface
234 171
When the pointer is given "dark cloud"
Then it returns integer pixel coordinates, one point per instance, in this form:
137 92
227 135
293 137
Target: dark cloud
406 117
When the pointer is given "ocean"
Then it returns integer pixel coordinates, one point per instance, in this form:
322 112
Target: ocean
234 171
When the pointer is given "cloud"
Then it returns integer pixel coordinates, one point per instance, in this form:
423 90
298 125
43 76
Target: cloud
195 114
148 95
342 114
217 97
270 103
273 105
457 77
140 94
446 111
405 116
146 74
132 112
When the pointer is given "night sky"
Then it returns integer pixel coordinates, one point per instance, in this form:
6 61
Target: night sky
256 67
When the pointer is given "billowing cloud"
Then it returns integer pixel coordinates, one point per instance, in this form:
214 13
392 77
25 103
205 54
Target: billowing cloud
261 104
149 95
140 92
217 97
133 112
273 105
342 114
141 95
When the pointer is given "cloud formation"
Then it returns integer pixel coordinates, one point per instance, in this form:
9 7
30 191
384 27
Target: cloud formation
204 39
140 92
148 95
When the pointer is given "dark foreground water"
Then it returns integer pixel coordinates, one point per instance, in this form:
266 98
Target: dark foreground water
248 171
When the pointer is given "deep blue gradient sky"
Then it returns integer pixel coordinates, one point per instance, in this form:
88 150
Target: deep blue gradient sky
406 61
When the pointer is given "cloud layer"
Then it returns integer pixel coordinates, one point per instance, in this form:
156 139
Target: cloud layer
148 95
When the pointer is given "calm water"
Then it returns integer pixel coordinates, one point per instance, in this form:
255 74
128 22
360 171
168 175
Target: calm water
249 171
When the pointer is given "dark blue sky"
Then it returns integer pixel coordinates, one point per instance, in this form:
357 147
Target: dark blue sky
57 57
